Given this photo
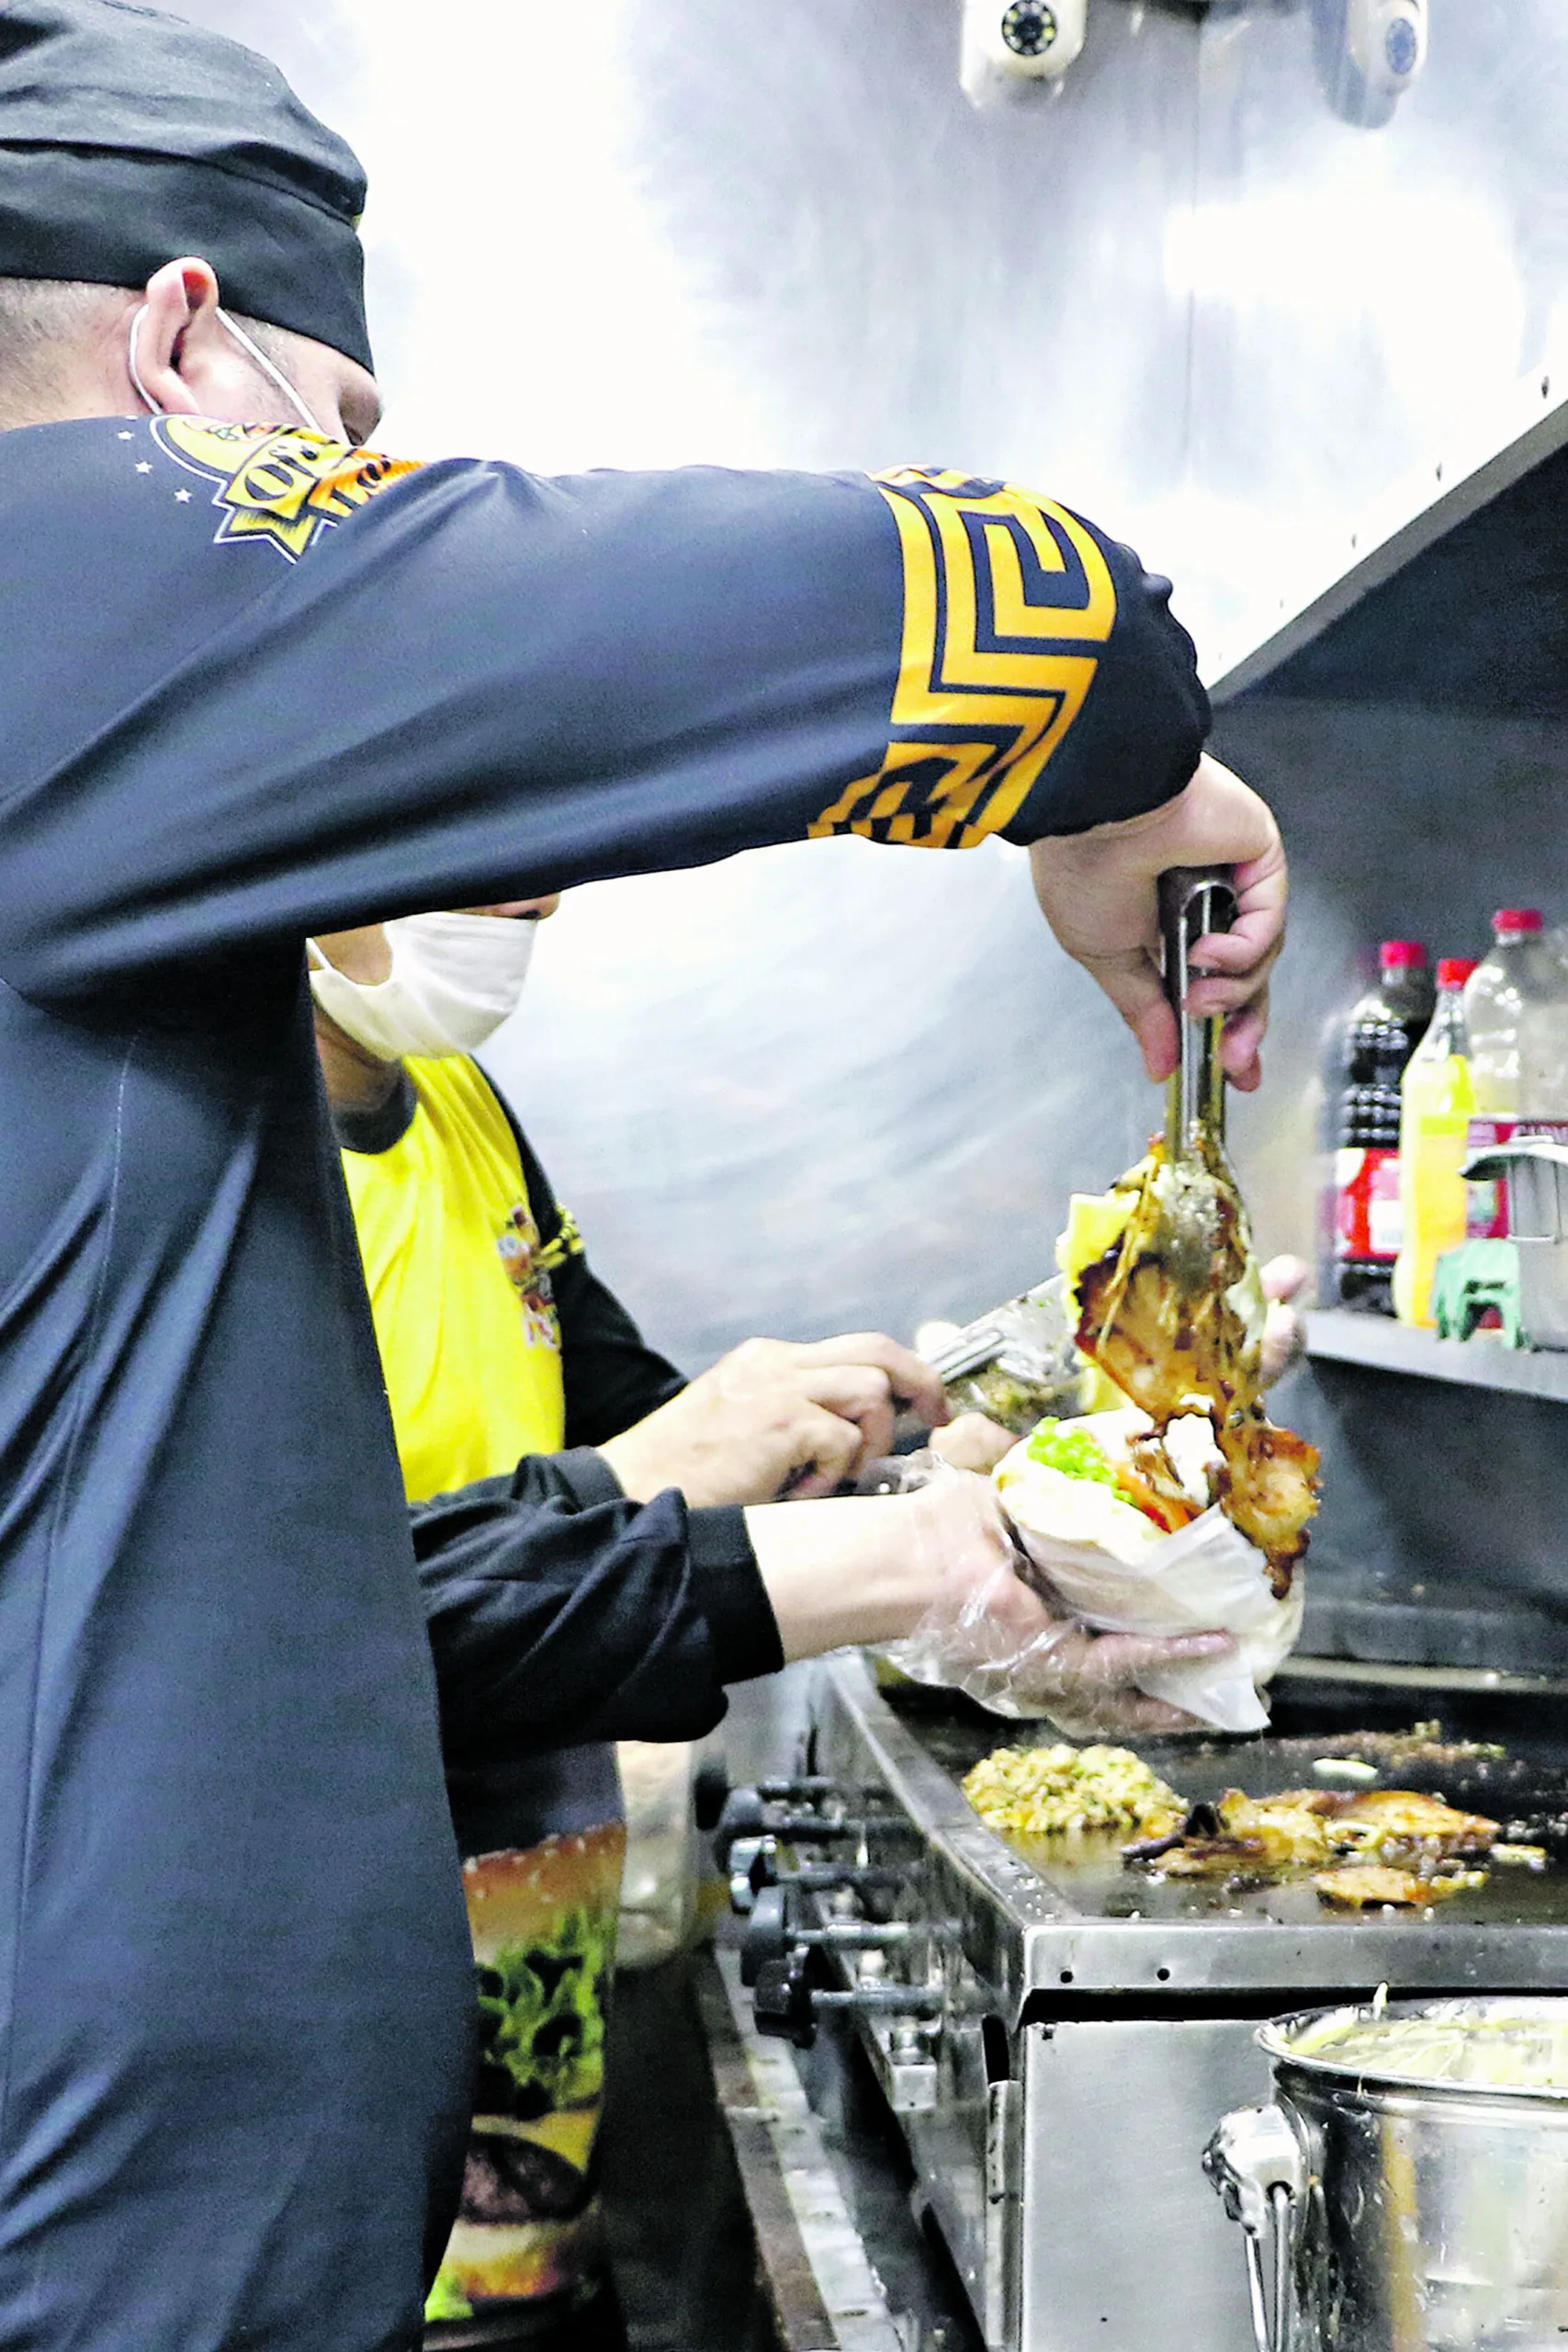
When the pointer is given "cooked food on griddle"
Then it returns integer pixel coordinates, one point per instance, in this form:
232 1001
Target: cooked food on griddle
1238 1835
1375 1848
1173 1312
1422 1744
1368 1886
1040 1792
1403 1827
1388 1834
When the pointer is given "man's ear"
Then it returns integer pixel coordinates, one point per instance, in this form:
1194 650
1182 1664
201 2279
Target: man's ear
176 319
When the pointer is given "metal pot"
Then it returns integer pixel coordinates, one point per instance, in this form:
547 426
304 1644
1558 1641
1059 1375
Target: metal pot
1387 2215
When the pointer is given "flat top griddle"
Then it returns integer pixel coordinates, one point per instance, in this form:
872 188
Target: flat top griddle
1527 1790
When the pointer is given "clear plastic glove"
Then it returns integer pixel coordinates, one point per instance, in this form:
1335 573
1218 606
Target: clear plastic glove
1284 1333
985 1633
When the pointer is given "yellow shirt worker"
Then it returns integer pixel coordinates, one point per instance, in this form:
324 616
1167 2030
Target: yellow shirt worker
465 1251
458 1279
505 1357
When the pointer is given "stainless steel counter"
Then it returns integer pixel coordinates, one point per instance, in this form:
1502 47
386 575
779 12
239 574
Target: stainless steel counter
1057 2035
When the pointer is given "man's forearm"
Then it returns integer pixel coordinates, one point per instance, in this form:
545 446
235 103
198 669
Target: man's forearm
843 1571
551 1625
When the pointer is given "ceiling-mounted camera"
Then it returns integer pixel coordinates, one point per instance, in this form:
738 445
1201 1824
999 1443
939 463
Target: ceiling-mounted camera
1368 53
1028 41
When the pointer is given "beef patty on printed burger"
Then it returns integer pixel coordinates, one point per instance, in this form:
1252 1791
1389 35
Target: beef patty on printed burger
507 2180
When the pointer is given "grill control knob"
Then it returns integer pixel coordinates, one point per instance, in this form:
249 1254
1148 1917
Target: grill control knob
710 1786
776 1808
771 1934
754 1864
782 2001
752 1867
741 1816
767 1935
788 2004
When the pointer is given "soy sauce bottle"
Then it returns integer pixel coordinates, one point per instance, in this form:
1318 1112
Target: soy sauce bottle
1364 1221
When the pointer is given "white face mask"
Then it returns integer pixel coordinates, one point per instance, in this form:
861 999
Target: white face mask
253 352
453 983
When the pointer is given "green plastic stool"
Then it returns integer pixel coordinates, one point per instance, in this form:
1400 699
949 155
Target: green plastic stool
1471 1279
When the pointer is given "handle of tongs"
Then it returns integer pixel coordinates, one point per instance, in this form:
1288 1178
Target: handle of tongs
1194 901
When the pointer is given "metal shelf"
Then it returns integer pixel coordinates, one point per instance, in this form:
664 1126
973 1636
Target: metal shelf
1376 1341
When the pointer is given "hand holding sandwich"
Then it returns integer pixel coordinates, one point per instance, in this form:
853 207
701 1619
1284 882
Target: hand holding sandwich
933 1573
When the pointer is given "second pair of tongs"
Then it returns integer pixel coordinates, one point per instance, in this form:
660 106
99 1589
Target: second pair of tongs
1194 901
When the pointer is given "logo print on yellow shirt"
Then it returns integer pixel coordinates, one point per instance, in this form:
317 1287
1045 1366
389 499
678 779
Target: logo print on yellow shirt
520 1254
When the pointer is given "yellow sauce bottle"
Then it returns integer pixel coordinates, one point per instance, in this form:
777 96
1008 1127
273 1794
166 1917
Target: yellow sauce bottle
1437 1098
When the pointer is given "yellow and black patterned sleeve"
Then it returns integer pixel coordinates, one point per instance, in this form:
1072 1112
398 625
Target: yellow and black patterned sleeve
315 685
1043 685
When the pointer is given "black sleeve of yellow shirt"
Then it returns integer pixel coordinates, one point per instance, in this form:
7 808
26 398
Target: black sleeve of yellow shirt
611 1377
552 1625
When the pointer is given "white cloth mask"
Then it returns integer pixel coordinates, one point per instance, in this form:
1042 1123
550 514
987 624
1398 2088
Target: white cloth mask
453 980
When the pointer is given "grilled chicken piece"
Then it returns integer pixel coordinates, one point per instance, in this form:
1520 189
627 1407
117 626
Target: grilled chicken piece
1269 1489
1400 1826
1179 1330
1154 1312
1243 1837
1361 1886
1163 1348
1391 1833
1148 1480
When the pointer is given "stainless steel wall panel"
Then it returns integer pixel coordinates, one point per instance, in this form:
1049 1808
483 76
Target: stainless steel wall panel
1365 300
823 1087
835 1085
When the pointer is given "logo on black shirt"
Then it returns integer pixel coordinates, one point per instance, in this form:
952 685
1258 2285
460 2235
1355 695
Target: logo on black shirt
277 482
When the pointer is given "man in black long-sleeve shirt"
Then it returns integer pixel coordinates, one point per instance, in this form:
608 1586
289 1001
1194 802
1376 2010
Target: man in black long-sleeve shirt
260 683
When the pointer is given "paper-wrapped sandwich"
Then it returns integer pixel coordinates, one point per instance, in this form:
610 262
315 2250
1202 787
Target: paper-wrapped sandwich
1186 1509
1122 1538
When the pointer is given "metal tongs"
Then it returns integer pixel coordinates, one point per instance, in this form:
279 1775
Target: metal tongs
1194 901
971 1349
1028 1340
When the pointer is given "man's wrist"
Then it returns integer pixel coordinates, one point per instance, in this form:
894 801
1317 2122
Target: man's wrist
624 1459
846 1571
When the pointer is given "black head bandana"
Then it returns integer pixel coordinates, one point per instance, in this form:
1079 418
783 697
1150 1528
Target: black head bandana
128 137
